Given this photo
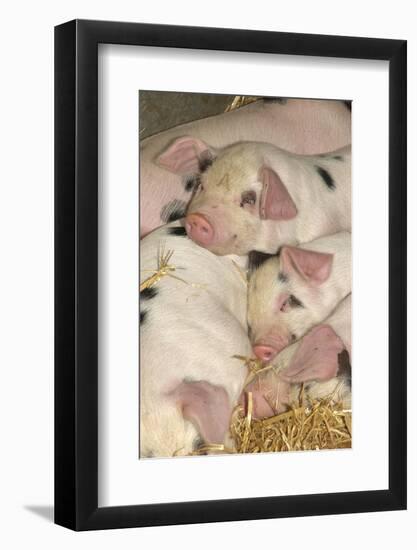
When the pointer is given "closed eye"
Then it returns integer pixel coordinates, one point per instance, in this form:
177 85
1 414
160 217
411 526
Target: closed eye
294 302
291 302
248 197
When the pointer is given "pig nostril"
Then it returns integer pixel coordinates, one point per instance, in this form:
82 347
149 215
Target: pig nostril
263 352
199 229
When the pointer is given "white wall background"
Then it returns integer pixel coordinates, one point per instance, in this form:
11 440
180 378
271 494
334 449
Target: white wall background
26 289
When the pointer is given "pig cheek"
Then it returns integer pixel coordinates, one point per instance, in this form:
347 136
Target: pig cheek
233 236
244 233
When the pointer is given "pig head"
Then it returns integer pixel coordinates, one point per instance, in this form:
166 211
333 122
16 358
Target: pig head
237 194
320 361
291 292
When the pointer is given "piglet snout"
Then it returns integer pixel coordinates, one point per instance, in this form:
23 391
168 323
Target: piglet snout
199 229
265 353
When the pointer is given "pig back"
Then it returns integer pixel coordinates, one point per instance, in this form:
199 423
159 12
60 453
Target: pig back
193 322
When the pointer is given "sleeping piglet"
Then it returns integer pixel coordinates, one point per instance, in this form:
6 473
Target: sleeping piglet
255 196
190 328
298 288
320 360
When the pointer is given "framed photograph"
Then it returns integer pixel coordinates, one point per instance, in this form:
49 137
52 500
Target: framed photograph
230 337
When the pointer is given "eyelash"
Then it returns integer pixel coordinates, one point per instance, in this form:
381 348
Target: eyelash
292 302
249 198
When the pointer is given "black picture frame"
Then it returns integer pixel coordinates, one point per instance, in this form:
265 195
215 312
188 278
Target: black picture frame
76 272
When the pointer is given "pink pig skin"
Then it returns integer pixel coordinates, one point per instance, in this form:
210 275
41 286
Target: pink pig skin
207 406
190 331
313 360
300 126
317 356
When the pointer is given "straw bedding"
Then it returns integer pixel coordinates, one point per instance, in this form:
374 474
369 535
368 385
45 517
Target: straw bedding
305 427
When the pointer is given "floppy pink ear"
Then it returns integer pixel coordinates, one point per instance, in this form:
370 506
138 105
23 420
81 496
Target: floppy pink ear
276 203
207 406
316 357
312 266
183 155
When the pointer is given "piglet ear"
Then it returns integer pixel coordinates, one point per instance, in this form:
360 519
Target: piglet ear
276 203
317 357
312 266
207 406
185 155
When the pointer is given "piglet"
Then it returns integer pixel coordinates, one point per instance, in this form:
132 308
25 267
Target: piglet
296 289
192 323
255 196
170 166
320 360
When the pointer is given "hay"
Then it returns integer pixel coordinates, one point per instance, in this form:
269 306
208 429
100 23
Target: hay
306 427
164 269
240 101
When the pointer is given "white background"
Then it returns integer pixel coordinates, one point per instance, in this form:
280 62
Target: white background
26 302
122 478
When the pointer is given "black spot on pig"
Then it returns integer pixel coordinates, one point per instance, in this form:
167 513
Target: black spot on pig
282 277
142 317
345 368
177 231
198 442
348 104
148 293
294 302
337 157
256 259
191 182
204 162
326 177
173 210
343 360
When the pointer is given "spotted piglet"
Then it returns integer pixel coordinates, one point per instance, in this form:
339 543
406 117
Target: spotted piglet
320 360
298 288
255 196
167 179
190 328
